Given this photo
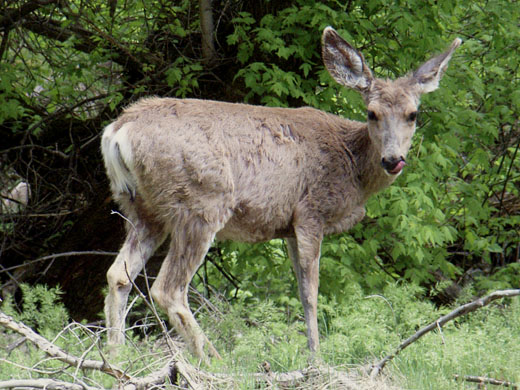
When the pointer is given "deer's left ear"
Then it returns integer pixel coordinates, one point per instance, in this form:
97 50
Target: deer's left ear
427 77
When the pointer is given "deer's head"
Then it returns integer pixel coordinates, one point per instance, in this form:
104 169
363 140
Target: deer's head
391 104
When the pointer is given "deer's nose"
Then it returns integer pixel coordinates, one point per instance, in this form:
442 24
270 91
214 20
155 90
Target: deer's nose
393 165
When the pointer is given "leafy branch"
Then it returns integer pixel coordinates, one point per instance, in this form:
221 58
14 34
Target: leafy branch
13 15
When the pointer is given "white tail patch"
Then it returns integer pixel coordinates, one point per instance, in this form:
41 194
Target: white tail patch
118 157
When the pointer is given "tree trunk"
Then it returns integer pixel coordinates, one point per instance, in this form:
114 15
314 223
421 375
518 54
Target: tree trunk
206 25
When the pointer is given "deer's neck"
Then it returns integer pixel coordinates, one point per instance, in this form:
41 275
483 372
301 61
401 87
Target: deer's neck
371 175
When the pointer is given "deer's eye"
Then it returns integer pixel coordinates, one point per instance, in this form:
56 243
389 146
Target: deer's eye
412 116
372 116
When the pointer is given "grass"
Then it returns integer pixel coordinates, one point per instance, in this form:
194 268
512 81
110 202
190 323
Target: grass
363 329
355 332
486 343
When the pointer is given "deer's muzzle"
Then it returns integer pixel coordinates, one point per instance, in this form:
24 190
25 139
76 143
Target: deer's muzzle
393 166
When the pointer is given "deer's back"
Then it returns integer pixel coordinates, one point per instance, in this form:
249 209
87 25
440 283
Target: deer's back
252 164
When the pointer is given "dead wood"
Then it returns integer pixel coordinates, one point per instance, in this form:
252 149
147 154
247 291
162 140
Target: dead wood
56 352
159 377
482 380
459 311
43 383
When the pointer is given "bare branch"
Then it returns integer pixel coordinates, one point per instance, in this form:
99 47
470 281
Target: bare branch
86 41
168 372
461 310
56 352
50 384
32 370
58 255
485 380
157 378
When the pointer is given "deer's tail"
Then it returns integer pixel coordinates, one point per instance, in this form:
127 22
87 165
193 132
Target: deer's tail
118 158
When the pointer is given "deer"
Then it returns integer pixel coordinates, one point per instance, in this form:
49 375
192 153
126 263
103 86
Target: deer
195 171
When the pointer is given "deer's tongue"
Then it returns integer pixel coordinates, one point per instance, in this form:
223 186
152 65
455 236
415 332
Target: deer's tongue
398 168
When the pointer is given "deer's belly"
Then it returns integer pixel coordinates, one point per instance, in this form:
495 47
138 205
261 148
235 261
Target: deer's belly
257 225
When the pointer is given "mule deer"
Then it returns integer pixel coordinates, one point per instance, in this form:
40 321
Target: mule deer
198 170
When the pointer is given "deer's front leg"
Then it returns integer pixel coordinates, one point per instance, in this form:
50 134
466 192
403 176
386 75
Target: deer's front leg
304 251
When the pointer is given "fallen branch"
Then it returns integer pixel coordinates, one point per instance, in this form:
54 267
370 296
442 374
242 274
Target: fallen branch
461 310
56 352
156 378
48 384
485 380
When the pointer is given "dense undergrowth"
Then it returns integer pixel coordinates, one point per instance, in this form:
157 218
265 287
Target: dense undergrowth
354 334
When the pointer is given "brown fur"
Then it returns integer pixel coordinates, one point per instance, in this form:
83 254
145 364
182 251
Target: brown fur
196 170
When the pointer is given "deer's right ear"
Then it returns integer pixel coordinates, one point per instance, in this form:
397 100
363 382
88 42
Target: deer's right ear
344 63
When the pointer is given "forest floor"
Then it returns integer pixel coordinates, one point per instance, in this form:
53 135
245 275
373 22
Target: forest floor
262 347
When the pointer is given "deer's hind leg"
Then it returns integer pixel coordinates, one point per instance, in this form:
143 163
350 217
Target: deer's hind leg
190 242
143 238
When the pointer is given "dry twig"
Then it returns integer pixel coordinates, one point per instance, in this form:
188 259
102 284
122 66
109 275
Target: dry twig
47 384
169 371
485 380
461 310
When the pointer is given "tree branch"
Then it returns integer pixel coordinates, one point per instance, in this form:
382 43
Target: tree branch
461 310
49 384
168 371
56 352
58 255
86 41
13 15
485 380
207 27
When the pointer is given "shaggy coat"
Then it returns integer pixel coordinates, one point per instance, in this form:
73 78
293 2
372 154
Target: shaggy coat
196 170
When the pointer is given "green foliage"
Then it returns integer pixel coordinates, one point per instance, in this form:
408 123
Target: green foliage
253 333
456 206
41 309
479 344
259 272
183 74
391 315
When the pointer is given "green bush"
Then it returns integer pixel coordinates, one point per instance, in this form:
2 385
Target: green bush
40 309
456 205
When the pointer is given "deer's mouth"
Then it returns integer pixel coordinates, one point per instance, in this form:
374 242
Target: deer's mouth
393 167
398 168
